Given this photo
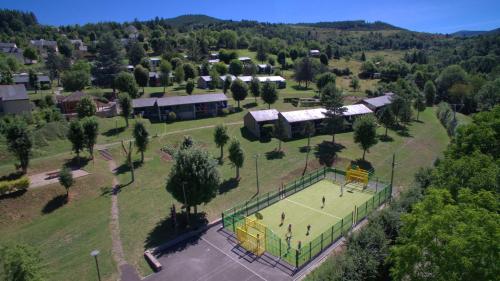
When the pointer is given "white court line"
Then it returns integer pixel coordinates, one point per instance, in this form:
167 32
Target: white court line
310 208
217 248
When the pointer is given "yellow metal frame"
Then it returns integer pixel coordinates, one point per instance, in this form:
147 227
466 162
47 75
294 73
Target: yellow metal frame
252 236
357 175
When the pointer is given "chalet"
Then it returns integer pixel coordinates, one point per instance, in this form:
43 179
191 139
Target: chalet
212 61
155 62
24 79
314 53
294 121
154 79
214 56
378 102
278 80
204 82
184 107
14 100
264 68
7 47
254 121
44 45
130 68
245 59
222 78
69 105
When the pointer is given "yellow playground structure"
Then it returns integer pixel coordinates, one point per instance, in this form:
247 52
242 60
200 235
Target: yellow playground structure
356 174
252 236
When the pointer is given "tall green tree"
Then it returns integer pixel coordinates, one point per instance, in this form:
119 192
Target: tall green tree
77 137
86 107
91 131
261 53
323 79
255 88
333 101
323 58
236 67
189 86
189 71
365 133
214 76
308 131
430 92
354 83
141 76
126 106
279 132
489 95
269 94
66 179
239 90
165 70
21 263
306 69
419 104
194 178
453 74
30 53
125 82
227 83
386 118
236 156
33 80
141 137
179 74
136 53
20 143
282 59
108 61
221 138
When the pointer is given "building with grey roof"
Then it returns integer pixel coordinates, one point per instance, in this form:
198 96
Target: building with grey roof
14 99
254 121
184 107
204 82
24 79
377 103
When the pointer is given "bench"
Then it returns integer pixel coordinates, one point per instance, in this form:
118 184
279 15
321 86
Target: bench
153 262
52 175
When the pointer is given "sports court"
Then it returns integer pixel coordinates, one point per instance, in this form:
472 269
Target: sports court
306 208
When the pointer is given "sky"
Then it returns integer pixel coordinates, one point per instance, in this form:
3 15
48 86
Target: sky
438 16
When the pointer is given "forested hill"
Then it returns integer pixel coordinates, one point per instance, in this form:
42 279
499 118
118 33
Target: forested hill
471 33
355 25
190 20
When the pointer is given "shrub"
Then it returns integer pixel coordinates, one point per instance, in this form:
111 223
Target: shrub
224 112
172 116
14 185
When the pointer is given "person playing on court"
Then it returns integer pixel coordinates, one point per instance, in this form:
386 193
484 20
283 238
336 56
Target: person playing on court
323 201
308 229
282 218
290 228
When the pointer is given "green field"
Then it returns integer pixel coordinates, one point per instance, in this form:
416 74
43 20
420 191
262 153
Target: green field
305 208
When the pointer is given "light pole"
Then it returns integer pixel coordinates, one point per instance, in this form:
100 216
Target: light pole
256 156
95 253
185 202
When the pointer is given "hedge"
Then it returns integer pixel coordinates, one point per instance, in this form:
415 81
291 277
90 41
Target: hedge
14 185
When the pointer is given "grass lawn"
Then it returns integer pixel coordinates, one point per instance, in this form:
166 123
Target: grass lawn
143 227
305 208
65 234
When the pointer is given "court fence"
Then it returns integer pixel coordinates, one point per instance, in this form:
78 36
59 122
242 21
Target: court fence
234 218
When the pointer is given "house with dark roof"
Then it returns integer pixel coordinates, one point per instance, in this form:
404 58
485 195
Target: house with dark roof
14 99
377 103
44 45
204 82
184 107
69 104
255 121
24 79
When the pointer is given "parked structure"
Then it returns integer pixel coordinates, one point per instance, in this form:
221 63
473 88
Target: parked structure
245 59
314 53
255 120
24 79
204 81
184 107
44 45
68 105
14 100
378 102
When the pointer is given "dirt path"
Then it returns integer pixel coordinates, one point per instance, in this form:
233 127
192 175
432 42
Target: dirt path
127 272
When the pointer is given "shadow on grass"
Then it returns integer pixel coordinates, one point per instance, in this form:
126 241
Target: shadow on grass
77 162
250 105
124 168
228 185
363 164
304 149
384 138
14 194
157 94
300 88
402 130
327 151
55 203
247 134
12 176
165 231
275 154
114 131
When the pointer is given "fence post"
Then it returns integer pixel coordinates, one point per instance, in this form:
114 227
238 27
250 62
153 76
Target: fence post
310 250
280 247
321 241
258 205
342 226
246 208
297 258
331 240
223 220
234 228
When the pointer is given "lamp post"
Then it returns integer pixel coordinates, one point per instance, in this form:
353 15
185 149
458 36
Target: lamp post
256 156
95 253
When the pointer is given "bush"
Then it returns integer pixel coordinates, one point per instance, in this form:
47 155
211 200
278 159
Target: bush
224 112
172 116
14 185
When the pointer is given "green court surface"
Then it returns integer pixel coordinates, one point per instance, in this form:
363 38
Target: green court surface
305 208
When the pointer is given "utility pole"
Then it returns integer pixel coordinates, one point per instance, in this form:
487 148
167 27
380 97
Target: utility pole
392 170
256 156
95 253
